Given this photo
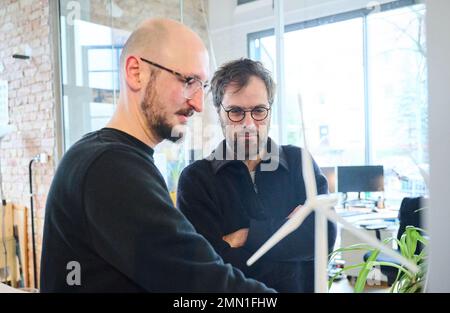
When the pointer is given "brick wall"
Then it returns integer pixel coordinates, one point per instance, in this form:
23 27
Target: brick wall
25 23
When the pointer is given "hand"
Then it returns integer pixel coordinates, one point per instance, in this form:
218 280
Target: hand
237 239
294 210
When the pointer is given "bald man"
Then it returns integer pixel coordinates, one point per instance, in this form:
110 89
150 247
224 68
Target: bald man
110 225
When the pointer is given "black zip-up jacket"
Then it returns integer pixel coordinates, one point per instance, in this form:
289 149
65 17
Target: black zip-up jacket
219 198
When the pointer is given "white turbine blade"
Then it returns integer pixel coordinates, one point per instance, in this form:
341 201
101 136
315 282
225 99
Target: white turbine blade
333 216
325 200
307 166
308 175
291 224
300 107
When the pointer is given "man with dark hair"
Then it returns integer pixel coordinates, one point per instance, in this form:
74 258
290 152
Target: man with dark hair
249 186
110 225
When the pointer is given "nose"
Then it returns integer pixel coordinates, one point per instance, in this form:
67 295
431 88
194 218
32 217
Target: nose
196 102
248 120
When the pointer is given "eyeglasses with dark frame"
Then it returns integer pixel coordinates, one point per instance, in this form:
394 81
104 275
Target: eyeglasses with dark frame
191 83
237 114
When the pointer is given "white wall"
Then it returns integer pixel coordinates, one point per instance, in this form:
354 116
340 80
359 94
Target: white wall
230 24
438 42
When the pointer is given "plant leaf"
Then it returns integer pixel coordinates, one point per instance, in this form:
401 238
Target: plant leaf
399 267
331 280
411 240
362 277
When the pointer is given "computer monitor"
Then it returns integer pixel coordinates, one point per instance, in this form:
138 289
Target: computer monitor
330 174
368 178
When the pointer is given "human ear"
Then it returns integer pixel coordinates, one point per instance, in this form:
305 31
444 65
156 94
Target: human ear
132 73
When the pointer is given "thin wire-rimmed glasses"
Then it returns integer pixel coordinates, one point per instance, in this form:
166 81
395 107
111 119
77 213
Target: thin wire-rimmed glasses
237 114
191 83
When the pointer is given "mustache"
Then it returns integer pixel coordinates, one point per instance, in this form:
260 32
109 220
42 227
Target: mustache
251 131
187 112
247 132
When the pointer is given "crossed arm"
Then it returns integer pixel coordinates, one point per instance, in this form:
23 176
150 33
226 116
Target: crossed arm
238 238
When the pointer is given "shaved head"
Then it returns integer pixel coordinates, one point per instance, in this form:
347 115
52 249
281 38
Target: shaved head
159 61
159 39
147 37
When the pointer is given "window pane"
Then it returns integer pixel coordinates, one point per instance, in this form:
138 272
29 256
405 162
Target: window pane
266 50
398 98
324 65
99 122
100 59
101 109
102 80
81 39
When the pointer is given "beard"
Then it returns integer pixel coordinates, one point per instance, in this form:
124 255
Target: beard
245 148
156 116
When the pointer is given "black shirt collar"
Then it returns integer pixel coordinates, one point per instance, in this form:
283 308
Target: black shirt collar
131 139
218 164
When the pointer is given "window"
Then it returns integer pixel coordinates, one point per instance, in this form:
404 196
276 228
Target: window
398 97
102 66
92 39
90 77
103 78
361 80
325 71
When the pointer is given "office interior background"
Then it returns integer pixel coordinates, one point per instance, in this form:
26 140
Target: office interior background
370 79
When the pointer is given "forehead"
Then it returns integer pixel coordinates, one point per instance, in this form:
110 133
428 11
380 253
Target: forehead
196 64
191 61
253 93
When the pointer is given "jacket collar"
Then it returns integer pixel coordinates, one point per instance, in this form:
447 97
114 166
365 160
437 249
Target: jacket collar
222 157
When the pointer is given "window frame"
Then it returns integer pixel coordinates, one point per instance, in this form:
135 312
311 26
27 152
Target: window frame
253 52
242 2
86 71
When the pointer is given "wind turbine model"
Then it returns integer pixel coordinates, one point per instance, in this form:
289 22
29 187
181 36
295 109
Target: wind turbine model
323 207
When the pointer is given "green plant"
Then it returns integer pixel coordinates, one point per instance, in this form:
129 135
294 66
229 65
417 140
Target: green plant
406 281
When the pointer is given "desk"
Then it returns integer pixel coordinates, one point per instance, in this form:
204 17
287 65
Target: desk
361 218
360 214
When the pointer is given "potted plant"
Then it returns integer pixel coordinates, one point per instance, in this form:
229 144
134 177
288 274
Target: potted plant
406 281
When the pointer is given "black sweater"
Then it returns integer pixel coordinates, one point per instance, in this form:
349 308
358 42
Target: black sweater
109 210
218 197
